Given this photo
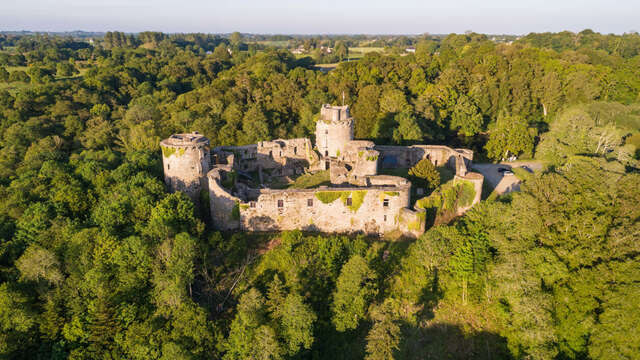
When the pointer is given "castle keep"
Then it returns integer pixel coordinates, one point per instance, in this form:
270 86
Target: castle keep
248 186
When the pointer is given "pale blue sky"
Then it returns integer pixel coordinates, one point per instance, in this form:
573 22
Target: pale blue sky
322 17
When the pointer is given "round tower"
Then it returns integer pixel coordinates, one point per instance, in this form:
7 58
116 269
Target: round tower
334 130
186 161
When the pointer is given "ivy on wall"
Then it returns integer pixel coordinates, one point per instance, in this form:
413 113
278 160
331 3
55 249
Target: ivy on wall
357 197
168 151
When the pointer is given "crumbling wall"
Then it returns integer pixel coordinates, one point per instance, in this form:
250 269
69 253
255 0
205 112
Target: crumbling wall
277 158
344 210
224 207
412 223
408 156
476 179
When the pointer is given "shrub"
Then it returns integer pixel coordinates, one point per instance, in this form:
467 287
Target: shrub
425 174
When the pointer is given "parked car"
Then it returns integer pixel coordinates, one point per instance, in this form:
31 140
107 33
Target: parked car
508 172
527 168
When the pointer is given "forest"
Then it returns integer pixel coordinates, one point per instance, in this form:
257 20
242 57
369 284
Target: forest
99 261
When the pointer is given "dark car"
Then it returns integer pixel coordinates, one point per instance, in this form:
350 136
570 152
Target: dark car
501 170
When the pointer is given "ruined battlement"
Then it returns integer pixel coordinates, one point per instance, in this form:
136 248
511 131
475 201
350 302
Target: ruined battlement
184 140
241 180
335 114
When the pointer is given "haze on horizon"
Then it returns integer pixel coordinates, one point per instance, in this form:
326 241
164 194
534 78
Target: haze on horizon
321 17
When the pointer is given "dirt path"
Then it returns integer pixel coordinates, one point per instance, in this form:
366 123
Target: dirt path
500 183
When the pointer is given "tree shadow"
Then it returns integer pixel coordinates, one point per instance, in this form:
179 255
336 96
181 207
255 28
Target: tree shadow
450 341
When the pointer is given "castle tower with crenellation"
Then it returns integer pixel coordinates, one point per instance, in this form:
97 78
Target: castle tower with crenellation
334 130
186 161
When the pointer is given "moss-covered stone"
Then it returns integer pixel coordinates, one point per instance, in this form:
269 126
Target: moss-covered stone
357 198
235 212
327 197
168 151
443 204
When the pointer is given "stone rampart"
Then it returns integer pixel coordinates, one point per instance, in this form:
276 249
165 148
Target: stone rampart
223 205
372 209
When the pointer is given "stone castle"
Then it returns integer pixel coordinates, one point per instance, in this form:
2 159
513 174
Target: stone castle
246 186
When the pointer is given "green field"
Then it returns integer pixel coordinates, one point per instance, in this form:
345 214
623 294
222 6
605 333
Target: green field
359 52
279 43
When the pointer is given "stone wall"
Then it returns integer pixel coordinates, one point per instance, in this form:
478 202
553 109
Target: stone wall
223 205
412 223
361 156
373 209
476 179
186 161
407 156
278 157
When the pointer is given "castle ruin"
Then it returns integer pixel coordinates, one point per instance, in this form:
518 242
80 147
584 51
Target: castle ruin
247 190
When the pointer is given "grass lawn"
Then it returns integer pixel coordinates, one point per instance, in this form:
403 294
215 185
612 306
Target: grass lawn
359 52
308 181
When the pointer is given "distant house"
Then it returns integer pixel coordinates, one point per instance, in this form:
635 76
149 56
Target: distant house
326 49
410 49
299 50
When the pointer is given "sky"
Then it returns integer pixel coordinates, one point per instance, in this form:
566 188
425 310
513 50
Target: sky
323 16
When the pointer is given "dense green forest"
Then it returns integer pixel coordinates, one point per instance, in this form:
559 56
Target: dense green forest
99 261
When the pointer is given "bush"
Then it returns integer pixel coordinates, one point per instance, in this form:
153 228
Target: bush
425 174
19 76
